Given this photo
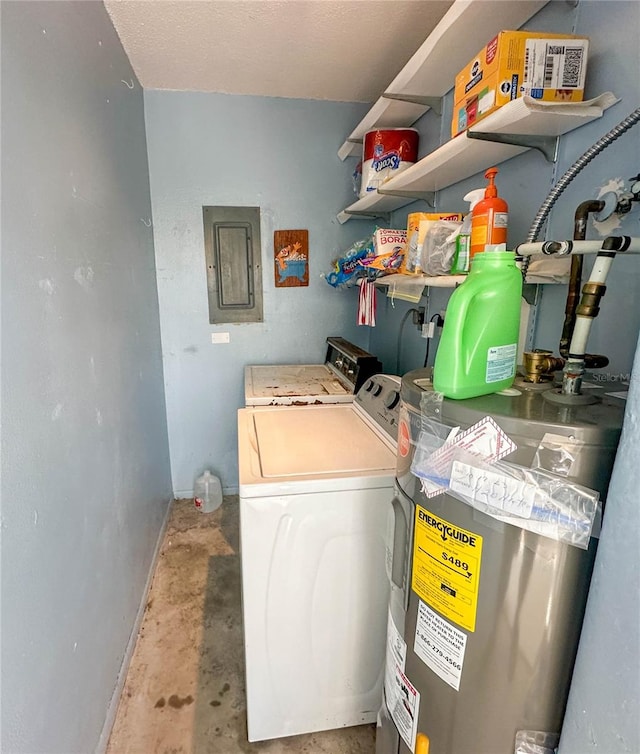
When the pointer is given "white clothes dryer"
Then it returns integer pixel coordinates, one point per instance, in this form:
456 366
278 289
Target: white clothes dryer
347 367
315 489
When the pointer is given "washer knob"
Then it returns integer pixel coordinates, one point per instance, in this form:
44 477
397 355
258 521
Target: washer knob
391 401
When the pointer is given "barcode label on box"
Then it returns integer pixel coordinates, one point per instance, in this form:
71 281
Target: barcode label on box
549 65
573 66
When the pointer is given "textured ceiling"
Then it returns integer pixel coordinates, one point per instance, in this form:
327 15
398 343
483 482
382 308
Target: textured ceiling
344 50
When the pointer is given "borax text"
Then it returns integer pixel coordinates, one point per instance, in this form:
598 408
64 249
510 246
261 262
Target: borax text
447 531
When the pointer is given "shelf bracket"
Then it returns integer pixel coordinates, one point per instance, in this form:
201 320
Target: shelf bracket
369 215
428 196
548 145
435 103
350 140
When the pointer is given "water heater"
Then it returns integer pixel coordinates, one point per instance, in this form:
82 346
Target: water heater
485 616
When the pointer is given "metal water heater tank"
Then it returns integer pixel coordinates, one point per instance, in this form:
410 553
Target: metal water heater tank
468 686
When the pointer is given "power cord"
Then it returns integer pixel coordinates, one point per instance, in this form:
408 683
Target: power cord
402 324
439 322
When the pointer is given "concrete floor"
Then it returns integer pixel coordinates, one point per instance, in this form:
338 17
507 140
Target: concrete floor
184 692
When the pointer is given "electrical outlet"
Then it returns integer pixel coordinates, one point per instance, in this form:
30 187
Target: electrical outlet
219 337
428 330
418 316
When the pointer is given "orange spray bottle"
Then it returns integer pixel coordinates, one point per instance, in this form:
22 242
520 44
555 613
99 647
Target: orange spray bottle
489 218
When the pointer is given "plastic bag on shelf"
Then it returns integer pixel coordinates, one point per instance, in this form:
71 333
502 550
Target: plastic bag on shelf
347 268
439 247
369 258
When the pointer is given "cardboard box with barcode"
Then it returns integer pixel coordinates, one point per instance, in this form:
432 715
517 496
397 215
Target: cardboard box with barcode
417 225
543 65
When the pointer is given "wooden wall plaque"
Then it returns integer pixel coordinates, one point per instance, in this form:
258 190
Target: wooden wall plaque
291 258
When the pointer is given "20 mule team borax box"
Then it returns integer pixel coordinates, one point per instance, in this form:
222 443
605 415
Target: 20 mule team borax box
543 65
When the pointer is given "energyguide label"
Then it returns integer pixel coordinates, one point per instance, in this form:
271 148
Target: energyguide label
446 568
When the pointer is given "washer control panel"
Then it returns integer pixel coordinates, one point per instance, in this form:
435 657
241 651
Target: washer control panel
379 398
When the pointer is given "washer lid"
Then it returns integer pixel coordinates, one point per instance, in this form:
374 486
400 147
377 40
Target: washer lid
318 440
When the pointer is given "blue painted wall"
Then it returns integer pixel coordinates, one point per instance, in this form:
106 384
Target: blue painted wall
276 154
85 464
524 181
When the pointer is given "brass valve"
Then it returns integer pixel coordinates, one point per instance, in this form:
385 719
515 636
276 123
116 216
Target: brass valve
540 365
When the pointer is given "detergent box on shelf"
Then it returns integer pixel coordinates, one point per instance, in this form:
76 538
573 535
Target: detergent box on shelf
542 65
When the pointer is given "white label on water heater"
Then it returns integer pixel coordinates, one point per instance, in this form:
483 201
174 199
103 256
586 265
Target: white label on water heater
402 699
403 703
440 645
501 362
396 645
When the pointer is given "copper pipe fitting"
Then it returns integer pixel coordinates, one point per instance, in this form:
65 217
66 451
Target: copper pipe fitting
589 305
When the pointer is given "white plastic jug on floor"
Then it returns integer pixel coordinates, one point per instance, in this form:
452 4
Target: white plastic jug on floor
207 492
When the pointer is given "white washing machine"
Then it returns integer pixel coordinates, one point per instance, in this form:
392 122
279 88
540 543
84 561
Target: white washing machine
315 488
347 367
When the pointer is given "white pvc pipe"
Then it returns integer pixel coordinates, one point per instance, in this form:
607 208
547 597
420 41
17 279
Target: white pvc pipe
587 247
600 270
580 335
571 248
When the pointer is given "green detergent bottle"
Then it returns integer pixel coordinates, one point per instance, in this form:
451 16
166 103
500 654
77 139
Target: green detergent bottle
479 343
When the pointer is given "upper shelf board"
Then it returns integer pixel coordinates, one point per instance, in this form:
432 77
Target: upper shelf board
462 157
464 29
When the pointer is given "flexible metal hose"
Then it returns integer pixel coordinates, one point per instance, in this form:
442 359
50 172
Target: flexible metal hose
631 120
578 166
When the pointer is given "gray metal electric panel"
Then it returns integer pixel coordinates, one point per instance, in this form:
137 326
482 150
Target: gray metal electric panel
234 270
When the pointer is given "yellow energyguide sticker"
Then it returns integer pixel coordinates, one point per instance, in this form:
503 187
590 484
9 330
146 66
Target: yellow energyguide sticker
446 568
